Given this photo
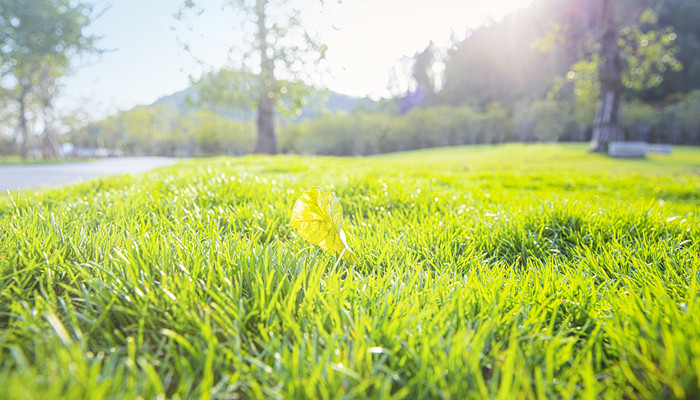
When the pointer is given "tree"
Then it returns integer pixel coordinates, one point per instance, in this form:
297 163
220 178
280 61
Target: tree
607 125
620 48
647 54
422 70
38 40
422 76
498 62
284 52
683 16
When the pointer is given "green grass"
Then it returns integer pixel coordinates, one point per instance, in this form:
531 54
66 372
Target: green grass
517 271
17 160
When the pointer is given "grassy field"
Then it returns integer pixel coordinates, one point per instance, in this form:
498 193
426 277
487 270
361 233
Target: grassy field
510 272
17 160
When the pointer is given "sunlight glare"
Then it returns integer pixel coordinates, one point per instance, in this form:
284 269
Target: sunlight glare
367 38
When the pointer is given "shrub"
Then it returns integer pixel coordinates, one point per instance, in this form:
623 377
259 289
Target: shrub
681 121
640 120
542 121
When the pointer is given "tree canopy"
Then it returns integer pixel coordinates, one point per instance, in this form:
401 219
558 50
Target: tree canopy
279 53
38 41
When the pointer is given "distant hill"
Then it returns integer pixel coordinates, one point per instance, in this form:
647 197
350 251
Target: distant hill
176 100
331 102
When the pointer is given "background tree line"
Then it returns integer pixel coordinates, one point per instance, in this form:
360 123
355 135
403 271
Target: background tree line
535 76
380 128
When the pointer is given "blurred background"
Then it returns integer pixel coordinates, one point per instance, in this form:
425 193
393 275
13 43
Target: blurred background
189 78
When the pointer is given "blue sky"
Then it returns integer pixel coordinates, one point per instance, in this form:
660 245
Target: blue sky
366 38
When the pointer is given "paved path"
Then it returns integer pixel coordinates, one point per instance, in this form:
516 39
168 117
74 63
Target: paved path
15 177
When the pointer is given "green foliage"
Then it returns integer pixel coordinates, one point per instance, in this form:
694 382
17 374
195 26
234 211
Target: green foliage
499 62
364 133
164 131
42 30
552 47
682 16
229 91
639 119
581 86
265 74
542 121
38 41
513 271
682 120
647 53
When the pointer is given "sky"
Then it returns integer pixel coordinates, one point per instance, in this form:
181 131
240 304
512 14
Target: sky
145 59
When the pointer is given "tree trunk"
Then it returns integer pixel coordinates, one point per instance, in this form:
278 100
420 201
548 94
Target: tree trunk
267 140
50 148
607 125
23 123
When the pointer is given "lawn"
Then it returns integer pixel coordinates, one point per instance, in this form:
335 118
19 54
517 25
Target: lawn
515 271
17 160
